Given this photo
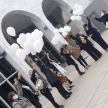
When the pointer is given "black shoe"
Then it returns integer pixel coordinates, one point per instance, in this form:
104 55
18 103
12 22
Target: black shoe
61 106
81 73
69 89
50 89
72 86
70 93
67 96
70 83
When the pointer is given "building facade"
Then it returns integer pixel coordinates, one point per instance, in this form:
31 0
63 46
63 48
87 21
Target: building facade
46 15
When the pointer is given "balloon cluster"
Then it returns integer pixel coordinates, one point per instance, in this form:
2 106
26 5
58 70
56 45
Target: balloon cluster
58 38
77 12
30 43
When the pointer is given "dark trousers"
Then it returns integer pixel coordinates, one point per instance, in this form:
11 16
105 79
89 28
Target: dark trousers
36 104
49 96
70 82
60 88
82 61
93 52
100 41
70 61
77 68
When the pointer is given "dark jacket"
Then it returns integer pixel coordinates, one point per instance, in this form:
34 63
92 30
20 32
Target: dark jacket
29 94
103 19
91 30
51 77
79 42
21 102
33 78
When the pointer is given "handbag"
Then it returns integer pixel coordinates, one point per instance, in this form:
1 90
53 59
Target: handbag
61 77
39 84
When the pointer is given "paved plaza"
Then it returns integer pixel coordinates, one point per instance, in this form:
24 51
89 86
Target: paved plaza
91 89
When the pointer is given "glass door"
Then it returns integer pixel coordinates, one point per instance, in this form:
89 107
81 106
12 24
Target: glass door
3 104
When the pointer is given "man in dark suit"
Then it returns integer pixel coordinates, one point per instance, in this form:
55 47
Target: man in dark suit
104 17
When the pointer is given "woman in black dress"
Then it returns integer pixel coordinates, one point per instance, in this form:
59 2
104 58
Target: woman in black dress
94 34
49 62
86 45
69 60
45 91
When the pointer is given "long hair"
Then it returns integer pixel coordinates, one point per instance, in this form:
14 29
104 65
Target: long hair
10 97
85 26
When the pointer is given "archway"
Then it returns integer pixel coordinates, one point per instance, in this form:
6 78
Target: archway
59 13
25 22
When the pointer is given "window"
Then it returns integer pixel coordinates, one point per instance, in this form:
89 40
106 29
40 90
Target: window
1 79
4 90
2 105
5 68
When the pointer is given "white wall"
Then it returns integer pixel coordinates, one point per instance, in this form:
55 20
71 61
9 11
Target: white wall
34 7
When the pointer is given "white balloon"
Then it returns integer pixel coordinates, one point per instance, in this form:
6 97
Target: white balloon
75 12
34 35
26 45
64 34
33 52
61 30
30 39
54 40
27 51
36 30
38 45
80 12
11 31
73 17
42 40
67 28
28 35
21 54
19 41
30 46
14 47
80 7
78 18
56 31
40 35
59 38
76 6
23 37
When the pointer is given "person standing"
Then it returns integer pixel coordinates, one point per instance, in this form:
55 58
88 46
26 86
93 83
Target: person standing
76 53
17 100
104 17
69 60
53 79
56 67
28 93
86 45
94 34
45 91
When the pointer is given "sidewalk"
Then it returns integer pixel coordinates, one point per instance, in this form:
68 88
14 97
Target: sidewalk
91 89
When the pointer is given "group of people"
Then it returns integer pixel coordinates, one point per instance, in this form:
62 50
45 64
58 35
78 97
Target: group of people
25 97
56 77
